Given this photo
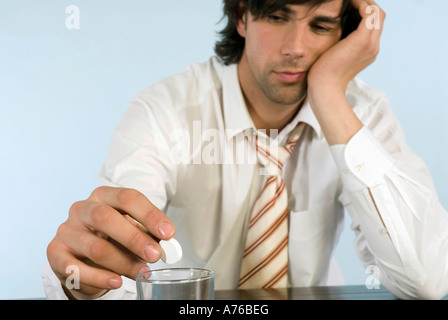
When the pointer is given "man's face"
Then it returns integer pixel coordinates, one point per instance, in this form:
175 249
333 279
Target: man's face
282 47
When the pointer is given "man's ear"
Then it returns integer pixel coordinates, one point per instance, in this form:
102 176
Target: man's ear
241 23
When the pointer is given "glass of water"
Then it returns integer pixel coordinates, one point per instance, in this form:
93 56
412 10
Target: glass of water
176 284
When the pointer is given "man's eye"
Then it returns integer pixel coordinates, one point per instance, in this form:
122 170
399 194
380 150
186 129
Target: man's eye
320 28
276 18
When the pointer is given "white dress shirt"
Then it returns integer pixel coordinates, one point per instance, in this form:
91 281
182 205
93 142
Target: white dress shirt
176 144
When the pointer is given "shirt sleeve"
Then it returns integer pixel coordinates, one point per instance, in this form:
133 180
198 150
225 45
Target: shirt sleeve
401 228
139 158
140 151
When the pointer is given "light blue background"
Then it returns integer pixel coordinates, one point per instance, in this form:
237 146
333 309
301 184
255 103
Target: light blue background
62 92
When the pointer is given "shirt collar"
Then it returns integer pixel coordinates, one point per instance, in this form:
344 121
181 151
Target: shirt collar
237 118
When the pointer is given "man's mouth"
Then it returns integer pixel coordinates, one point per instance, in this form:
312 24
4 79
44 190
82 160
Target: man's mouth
290 76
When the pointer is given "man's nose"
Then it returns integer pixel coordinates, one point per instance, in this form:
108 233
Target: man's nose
294 45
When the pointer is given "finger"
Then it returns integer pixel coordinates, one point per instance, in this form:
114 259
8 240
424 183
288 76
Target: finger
118 227
136 205
375 21
378 16
103 253
135 223
371 26
361 6
71 271
372 15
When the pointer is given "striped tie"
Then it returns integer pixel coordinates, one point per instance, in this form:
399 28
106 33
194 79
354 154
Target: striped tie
265 257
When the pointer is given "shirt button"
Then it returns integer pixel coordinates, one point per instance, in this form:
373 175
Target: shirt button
344 171
359 167
384 231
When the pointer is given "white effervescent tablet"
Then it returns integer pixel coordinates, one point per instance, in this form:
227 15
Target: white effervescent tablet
171 251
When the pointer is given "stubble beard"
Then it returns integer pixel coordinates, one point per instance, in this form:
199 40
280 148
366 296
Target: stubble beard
280 92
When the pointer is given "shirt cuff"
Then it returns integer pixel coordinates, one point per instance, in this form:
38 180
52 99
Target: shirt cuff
362 162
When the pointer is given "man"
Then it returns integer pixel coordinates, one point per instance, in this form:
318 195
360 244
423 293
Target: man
286 69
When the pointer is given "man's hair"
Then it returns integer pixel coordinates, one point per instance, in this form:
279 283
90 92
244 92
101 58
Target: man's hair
231 45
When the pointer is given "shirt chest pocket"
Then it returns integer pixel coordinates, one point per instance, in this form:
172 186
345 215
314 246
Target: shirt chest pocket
319 223
312 238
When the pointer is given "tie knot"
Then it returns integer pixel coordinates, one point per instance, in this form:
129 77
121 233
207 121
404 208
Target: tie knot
272 156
